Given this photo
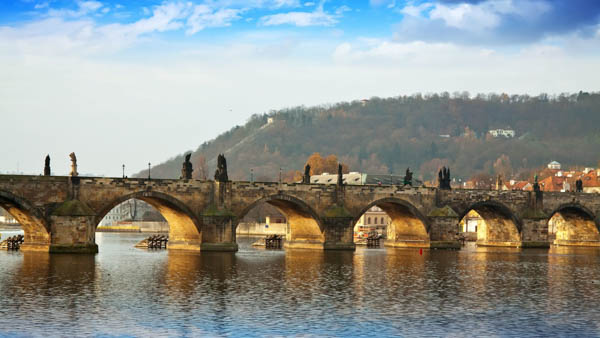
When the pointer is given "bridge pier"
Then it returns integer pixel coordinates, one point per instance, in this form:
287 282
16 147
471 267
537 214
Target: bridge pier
443 226
218 233
534 233
73 228
339 233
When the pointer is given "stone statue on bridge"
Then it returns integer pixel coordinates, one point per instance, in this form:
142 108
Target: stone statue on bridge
579 185
536 185
340 176
444 179
47 166
408 177
73 165
221 172
306 177
186 171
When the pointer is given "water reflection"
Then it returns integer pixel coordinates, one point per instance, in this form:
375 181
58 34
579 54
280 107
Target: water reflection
257 292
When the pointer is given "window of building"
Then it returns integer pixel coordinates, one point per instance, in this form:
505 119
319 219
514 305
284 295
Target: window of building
368 220
382 222
375 220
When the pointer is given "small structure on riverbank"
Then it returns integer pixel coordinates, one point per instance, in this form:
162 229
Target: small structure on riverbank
273 242
12 243
154 242
270 242
374 240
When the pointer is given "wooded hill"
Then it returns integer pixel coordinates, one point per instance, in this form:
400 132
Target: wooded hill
380 136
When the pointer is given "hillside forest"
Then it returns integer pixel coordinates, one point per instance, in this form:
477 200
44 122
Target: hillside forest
423 132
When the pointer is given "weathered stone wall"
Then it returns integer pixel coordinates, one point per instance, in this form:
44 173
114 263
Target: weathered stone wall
203 215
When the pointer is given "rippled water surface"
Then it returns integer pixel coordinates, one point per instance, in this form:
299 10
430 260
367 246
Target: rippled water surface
123 291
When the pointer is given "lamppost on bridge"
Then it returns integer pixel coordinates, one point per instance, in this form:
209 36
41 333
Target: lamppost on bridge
251 175
280 175
148 170
123 171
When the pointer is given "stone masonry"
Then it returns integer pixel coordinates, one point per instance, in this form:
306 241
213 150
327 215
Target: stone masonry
60 214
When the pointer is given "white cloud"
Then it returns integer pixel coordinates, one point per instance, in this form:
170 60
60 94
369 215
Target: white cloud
416 11
285 3
41 5
465 16
204 17
475 17
57 35
340 10
83 8
266 4
318 17
309 4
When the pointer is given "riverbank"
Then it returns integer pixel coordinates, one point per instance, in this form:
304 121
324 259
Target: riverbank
149 227
261 229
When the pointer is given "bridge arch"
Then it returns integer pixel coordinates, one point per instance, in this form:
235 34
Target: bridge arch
185 229
573 224
408 226
304 226
35 226
498 225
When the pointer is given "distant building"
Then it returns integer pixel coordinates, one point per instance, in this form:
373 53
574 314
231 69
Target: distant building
555 183
519 185
591 181
373 220
130 210
356 178
470 222
508 132
554 165
6 218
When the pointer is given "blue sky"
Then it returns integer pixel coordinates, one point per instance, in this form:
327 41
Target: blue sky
138 81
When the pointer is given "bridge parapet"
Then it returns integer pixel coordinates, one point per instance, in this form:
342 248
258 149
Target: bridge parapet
203 215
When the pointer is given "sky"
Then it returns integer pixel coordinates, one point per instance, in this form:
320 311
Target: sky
137 82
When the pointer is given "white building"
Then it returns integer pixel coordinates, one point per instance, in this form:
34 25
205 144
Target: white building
554 165
130 210
508 133
374 219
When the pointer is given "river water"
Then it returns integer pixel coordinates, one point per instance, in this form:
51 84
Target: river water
123 291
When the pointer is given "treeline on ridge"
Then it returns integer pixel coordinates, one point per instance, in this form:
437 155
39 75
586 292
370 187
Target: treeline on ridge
423 132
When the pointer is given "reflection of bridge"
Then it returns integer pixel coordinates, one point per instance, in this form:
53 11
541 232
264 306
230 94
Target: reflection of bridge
60 214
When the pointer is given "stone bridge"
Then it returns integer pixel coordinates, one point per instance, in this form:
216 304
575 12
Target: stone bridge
61 213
